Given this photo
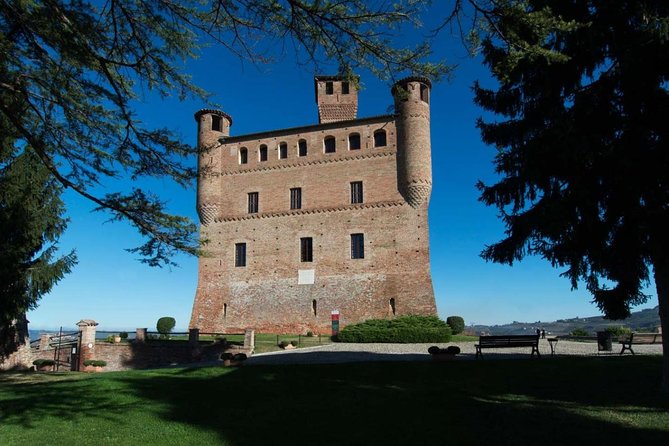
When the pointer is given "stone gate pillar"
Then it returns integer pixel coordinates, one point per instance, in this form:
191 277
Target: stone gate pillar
249 339
87 333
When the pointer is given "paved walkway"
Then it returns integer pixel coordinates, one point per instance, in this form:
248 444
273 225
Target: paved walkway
340 352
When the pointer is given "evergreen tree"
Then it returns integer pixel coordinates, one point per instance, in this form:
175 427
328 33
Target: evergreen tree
583 142
30 223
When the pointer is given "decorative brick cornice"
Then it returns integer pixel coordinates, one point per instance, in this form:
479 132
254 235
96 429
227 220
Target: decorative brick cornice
296 212
298 165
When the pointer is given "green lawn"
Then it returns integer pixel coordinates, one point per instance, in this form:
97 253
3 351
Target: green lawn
611 400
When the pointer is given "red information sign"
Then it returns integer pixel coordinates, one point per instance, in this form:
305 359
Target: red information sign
335 322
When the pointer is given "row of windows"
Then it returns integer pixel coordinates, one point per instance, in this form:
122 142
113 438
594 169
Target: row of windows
329 146
329 87
307 249
357 197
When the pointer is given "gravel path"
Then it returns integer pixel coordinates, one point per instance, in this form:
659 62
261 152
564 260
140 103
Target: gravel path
339 352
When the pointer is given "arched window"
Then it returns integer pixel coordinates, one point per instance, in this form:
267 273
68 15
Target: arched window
424 93
329 144
302 147
380 138
283 151
243 155
262 153
354 141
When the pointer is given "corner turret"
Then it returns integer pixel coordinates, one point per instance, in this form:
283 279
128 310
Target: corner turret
414 158
212 126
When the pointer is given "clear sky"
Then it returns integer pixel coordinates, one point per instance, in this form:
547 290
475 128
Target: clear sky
110 286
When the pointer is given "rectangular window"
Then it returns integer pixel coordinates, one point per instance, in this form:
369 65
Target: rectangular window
357 246
243 156
306 249
344 88
296 198
253 202
329 88
329 144
240 254
283 151
216 123
263 153
302 148
356 192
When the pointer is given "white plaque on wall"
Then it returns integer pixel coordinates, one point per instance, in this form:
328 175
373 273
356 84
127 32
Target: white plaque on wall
305 276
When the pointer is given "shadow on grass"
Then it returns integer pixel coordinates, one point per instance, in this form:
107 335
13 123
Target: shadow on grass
562 401
577 401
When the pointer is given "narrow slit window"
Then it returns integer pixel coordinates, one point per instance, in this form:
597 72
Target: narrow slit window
392 305
296 198
302 148
240 254
306 249
314 307
354 141
253 199
356 192
262 153
243 155
424 94
380 138
329 144
357 246
216 123
283 151
225 310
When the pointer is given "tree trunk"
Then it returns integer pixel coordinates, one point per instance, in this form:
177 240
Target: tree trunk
661 273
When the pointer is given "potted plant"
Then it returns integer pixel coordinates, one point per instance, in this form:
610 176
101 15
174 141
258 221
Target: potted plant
94 365
44 365
233 360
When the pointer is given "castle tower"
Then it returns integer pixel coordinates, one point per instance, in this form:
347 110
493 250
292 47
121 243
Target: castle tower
414 160
337 99
212 126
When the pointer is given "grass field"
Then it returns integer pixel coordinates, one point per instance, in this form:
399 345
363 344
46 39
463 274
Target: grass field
566 401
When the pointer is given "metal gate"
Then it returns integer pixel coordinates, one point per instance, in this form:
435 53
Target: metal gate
66 348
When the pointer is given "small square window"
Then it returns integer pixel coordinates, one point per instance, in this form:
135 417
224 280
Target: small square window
354 141
380 138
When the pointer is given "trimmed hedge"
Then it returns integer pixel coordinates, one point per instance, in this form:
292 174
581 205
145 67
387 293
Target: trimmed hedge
95 362
43 362
402 330
457 324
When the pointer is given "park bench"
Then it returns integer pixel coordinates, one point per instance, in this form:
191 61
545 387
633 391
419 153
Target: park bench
506 341
637 339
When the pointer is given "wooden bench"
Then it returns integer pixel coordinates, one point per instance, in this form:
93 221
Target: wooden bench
506 341
639 338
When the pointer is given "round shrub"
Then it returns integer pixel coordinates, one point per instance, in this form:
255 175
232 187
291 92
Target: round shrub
457 324
123 335
433 350
403 330
283 344
165 325
452 350
310 334
579 332
293 343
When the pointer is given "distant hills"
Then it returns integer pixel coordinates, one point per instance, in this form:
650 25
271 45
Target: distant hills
644 320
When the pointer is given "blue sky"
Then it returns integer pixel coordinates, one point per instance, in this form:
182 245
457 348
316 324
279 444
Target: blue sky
110 286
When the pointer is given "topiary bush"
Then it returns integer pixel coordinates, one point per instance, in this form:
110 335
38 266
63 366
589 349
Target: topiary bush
95 363
457 324
403 330
43 362
165 326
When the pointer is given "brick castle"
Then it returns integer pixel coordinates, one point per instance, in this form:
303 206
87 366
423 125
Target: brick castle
327 217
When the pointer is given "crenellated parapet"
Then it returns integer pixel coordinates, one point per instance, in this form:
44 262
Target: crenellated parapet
414 157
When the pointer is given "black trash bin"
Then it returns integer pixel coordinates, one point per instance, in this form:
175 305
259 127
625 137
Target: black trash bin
604 341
